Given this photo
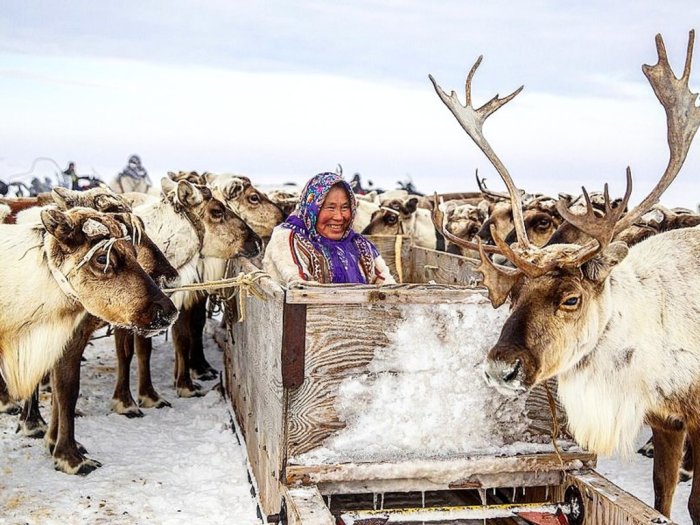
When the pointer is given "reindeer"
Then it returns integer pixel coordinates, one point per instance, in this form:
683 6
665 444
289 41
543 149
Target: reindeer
404 217
69 456
57 271
262 215
616 325
187 224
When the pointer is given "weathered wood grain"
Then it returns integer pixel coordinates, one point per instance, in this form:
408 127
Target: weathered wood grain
607 504
457 472
254 385
305 506
442 268
334 350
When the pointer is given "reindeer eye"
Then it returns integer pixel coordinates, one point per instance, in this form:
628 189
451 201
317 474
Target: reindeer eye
102 259
571 301
254 198
391 219
543 224
217 213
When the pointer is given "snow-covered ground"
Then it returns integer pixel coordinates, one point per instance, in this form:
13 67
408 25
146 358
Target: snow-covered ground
176 465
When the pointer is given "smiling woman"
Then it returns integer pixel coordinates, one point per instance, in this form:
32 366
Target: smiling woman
317 243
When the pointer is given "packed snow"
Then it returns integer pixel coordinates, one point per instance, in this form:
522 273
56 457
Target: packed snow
175 465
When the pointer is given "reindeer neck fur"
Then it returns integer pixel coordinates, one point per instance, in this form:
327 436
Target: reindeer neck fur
38 317
647 353
172 231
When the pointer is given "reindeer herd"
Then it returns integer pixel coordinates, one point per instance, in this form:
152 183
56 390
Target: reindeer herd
601 296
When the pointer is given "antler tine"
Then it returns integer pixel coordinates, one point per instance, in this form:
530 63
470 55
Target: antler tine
499 280
530 269
483 189
600 228
472 121
682 121
438 221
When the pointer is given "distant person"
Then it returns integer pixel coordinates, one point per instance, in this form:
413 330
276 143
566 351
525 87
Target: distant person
70 176
133 177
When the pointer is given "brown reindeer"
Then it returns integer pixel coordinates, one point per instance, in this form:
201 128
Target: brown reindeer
70 456
616 325
72 263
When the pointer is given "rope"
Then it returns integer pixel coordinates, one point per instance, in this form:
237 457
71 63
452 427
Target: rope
397 257
555 422
247 284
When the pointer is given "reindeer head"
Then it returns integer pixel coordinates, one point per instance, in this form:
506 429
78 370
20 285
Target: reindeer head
555 291
252 205
148 255
100 199
94 261
394 217
223 233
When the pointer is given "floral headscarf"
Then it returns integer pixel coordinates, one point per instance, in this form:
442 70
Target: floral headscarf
348 260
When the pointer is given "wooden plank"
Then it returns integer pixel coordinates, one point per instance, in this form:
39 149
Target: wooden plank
388 294
434 474
389 246
254 386
333 350
442 268
305 506
293 344
605 503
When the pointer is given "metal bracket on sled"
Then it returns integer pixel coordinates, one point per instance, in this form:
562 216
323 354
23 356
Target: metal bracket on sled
293 344
568 513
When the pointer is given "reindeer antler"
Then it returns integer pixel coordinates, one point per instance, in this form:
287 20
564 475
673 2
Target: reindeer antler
682 121
472 121
438 218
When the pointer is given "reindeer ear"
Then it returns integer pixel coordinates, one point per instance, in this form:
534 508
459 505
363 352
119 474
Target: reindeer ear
110 204
167 185
411 205
188 194
598 268
60 226
234 189
64 198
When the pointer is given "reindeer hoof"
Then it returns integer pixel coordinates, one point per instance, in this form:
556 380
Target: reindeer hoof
33 430
149 402
129 411
10 408
190 392
208 374
83 468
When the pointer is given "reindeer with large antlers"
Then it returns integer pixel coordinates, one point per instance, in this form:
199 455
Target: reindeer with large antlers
616 325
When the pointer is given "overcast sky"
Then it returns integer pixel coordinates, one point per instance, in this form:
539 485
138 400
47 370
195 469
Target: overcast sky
282 90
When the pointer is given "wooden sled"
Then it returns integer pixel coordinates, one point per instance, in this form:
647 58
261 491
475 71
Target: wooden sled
286 358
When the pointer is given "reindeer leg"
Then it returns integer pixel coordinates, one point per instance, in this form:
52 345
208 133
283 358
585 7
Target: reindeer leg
31 424
148 397
122 401
686 473
68 454
181 342
199 366
7 404
694 500
668 449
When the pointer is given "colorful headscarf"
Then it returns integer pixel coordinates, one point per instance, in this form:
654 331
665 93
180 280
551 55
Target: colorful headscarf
348 260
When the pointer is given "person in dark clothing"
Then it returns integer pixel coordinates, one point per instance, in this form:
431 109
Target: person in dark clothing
70 176
134 176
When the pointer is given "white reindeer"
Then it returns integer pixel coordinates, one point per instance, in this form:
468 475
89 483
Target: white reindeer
618 326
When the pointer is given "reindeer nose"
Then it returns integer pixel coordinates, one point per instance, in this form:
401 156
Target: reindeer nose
252 246
163 313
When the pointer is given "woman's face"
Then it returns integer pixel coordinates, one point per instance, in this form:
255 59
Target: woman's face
335 214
